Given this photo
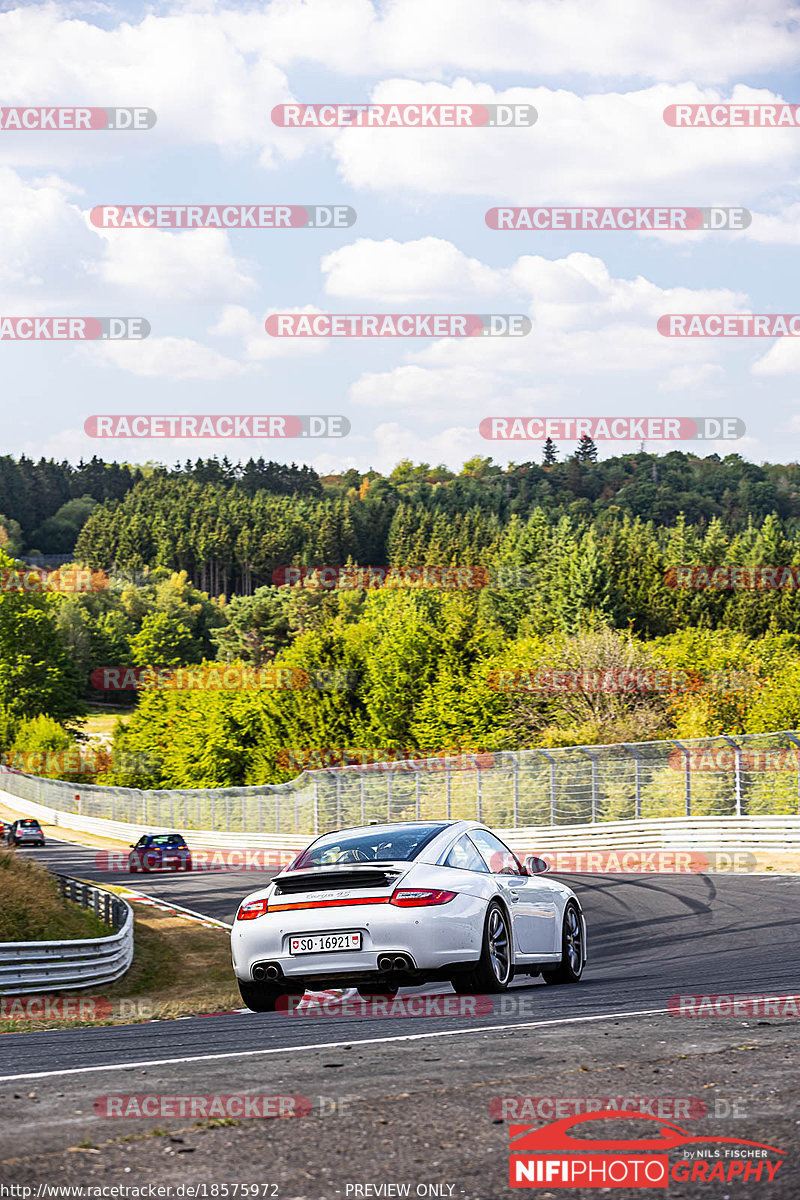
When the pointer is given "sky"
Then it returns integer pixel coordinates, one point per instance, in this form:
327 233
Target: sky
598 72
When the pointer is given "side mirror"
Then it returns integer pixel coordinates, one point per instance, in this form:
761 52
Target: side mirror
535 865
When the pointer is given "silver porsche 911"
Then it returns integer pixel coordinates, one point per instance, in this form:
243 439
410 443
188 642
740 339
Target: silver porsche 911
389 906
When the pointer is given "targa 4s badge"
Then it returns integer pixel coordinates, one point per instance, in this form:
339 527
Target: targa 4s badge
548 1156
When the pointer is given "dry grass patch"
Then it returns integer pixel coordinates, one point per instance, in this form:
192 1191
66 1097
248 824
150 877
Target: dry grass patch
179 969
31 909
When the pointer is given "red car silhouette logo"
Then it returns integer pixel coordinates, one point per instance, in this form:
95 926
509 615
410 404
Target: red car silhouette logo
555 1136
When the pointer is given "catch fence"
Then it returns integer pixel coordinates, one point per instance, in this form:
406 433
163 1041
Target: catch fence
757 774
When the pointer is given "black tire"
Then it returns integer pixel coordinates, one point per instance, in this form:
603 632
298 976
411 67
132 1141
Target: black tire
570 969
377 989
495 969
259 997
463 984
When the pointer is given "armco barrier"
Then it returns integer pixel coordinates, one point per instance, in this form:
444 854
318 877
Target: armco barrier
74 963
780 834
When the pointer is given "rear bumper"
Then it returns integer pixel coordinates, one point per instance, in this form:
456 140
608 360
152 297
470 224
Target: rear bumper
437 940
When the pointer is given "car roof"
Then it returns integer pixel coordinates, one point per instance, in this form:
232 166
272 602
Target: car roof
431 824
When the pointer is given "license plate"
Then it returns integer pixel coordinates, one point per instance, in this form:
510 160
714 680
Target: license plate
319 943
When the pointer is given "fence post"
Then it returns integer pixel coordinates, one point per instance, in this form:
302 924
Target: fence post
687 775
515 764
638 761
448 779
416 792
260 814
590 754
389 794
737 759
213 811
338 801
552 762
363 786
277 796
796 745
478 789
316 803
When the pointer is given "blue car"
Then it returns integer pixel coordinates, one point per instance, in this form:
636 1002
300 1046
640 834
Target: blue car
160 852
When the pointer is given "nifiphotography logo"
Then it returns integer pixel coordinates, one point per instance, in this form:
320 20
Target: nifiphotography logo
550 1156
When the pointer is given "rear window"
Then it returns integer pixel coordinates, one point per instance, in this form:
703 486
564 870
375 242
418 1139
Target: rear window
379 845
30 824
167 839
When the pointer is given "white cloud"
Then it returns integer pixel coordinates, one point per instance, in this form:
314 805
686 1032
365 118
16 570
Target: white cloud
195 265
452 446
782 358
693 376
165 358
43 239
601 148
407 272
257 345
586 322
717 40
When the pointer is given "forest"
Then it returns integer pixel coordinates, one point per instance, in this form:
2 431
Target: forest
578 562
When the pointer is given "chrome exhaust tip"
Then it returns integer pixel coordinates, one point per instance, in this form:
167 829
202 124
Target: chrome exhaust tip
268 971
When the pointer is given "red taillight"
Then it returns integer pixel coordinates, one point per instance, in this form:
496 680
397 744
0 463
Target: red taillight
251 910
420 897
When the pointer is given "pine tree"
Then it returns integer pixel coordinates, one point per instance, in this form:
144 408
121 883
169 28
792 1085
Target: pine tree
585 451
550 456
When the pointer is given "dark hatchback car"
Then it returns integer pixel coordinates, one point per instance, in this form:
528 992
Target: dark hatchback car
160 852
24 832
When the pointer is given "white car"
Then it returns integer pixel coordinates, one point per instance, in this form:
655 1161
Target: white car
389 906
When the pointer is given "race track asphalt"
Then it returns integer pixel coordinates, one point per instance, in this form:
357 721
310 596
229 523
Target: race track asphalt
650 937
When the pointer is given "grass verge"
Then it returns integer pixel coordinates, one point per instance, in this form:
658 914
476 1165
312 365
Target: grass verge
179 969
31 909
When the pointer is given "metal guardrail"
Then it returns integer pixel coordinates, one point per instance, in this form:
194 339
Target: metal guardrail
742 775
72 963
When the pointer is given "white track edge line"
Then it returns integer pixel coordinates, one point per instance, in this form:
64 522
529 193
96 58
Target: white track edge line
403 1037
